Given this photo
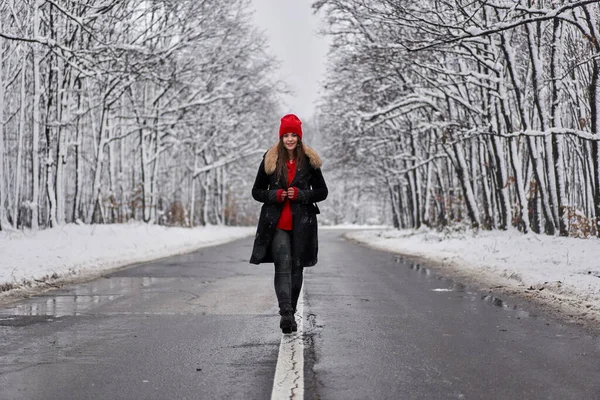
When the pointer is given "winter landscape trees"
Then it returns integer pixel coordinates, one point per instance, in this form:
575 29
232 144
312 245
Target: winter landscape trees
483 112
477 112
113 111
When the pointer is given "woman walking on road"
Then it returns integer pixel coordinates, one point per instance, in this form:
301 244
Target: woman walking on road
289 181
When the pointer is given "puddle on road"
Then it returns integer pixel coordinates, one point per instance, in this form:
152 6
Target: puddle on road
20 321
58 306
455 287
79 299
495 301
502 304
461 288
420 268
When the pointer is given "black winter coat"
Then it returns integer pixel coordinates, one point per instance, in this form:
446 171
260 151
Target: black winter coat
311 189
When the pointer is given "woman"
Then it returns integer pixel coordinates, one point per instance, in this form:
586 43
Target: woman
289 181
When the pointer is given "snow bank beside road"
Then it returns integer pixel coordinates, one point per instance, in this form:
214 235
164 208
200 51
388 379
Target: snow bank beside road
563 273
78 251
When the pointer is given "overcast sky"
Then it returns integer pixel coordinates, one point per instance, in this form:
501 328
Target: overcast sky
292 30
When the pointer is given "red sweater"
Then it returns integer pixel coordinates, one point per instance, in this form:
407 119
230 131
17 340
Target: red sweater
285 219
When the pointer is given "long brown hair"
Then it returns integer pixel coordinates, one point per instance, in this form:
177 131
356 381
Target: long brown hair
282 156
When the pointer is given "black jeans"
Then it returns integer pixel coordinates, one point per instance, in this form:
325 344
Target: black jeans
288 278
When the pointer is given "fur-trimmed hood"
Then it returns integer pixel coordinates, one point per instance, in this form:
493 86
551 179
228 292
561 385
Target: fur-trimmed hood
271 158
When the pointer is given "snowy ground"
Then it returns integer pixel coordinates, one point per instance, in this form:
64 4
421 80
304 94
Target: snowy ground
31 262
562 275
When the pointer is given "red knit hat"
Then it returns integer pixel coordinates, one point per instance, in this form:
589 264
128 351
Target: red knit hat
290 124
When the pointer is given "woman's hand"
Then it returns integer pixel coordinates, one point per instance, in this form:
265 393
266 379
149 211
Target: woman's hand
281 195
292 193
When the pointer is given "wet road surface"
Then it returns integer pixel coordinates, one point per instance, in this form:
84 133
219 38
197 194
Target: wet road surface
383 329
205 326
198 326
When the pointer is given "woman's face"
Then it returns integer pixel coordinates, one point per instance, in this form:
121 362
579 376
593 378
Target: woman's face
290 141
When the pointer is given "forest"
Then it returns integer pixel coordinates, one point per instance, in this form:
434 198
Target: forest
434 113
481 114
113 111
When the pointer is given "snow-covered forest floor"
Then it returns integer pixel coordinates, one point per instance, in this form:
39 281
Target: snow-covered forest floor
33 262
561 275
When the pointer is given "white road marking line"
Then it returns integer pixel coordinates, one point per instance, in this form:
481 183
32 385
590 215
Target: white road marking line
289 373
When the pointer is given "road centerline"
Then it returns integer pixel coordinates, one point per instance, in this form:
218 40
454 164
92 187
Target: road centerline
289 372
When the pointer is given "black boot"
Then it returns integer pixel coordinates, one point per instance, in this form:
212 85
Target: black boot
287 318
294 324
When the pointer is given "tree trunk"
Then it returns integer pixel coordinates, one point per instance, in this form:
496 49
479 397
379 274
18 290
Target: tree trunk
489 221
193 190
61 150
518 173
595 122
143 177
462 172
77 215
3 219
78 162
395 204
551 210
414 180
557 140
123 197
428 188
501 182
206 203
37 89
442 219
112 177
96 185
50 193
538 173
154 181
402 206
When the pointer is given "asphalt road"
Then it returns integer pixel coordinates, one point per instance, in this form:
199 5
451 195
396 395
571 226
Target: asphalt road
205 326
